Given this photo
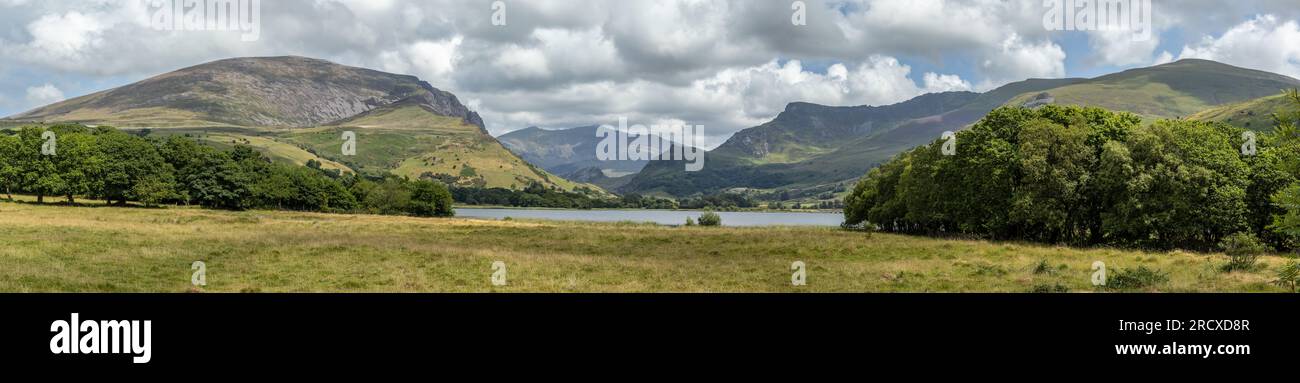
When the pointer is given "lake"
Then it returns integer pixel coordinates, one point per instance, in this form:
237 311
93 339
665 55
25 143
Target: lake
663 217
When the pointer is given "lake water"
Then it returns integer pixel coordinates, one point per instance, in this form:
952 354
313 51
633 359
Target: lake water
663 217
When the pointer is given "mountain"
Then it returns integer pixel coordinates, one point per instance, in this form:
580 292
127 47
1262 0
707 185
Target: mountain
807 130
262 91
295 109
565 151
1178 89
814 149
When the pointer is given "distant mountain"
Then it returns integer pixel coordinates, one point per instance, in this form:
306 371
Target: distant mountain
570 153
295 109
815 149
1173 90
565 151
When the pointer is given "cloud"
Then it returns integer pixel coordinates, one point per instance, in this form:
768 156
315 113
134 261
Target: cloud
1019 59
43 95
1265 43
1120 48
728 64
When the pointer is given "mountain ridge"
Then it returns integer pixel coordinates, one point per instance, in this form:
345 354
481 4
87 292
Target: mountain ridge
280 91
295 109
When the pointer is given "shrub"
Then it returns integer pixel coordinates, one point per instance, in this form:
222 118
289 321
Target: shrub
1042 267
1289 276
710 219
1139 278
690 221
1243 250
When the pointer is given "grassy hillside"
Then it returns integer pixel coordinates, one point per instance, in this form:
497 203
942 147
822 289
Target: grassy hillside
1255 114
262 140
409 140
1173 90
102 249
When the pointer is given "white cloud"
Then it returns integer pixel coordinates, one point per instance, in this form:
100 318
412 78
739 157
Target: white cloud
730 99
1120 48
729 64
1019 59
1264 43
1164 58
43 95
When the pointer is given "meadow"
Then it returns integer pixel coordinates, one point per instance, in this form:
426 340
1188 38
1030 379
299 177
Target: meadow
93 248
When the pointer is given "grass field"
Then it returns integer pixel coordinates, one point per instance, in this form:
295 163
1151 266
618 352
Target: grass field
49 248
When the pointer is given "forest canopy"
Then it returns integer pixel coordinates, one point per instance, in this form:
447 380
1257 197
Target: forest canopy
1088 176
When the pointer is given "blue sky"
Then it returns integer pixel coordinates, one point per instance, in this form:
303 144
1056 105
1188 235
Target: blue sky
726 64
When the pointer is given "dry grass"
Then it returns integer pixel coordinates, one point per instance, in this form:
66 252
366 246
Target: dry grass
103 249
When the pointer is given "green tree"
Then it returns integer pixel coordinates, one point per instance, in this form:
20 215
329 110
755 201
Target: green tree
129 160
431 199
38 173
388 197
1055 164
276 188
79 163
10 168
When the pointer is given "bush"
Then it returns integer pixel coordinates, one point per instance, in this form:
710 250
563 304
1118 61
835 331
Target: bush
710 219
1289 276
1243 250
430 199
1042 267
690 221
1139 278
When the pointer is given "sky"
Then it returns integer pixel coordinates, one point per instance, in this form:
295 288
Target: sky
726 65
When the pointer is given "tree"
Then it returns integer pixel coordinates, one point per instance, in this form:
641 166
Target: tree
1076 175
1056 165
1288 223
129 161
10 169
388 197
430 199
153 190
79 164
1286 201
276 188
38 173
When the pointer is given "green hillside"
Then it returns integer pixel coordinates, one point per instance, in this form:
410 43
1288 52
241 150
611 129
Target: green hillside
1173 90
411 141
1255 114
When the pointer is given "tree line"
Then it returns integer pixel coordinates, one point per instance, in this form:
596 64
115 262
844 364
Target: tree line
1088 176
104 163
